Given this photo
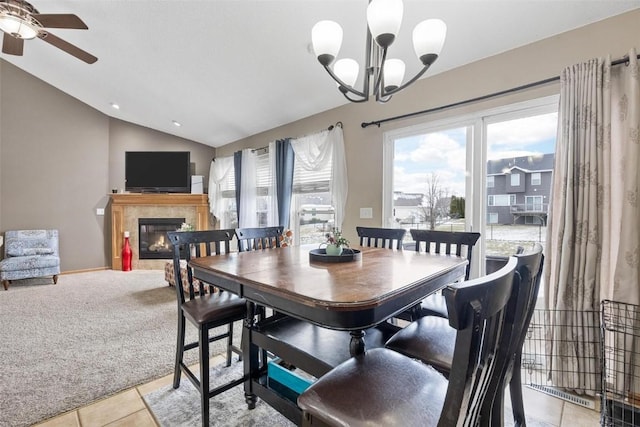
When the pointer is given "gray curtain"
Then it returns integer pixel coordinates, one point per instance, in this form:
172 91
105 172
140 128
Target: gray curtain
593 234
284 178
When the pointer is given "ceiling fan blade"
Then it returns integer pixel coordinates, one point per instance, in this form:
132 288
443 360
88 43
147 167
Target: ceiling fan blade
60 20
12 45
67 47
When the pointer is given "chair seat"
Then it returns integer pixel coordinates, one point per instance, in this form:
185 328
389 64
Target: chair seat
434 305
220 307
430 339
29 262
417 388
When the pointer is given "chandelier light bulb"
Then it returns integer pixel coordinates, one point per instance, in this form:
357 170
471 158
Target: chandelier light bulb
17 27
347 70
393 73
384 18
326 37
428 39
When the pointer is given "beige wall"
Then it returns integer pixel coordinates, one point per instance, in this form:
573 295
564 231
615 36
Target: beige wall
521 66
59 159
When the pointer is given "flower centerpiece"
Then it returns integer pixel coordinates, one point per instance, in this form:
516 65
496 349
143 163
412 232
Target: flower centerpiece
335 242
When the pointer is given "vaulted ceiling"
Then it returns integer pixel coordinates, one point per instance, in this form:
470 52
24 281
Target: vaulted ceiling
227 69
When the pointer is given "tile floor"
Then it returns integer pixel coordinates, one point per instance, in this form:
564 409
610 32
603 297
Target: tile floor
128 409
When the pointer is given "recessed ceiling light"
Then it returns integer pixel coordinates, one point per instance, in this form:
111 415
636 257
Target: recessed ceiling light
115 106
176 123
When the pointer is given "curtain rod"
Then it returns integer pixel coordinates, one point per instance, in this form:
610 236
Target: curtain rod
623 60
266 147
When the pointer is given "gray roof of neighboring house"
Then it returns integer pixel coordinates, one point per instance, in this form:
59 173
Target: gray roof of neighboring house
407 199
527 163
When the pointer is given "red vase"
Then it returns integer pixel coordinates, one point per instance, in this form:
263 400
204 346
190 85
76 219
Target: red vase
127 254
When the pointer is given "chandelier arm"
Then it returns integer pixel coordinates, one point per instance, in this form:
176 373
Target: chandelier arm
343 85
399 88
345 93
378 86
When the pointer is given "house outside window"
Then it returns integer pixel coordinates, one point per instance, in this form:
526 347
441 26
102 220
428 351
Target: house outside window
536 178
515 179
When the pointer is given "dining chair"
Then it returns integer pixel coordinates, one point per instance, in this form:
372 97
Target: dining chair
383 386
390 238
203 310
250 239
459 243
432 340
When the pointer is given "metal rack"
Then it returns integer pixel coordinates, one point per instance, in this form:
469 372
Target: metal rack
620 364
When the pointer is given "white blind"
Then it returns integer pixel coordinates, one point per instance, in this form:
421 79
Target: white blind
305 181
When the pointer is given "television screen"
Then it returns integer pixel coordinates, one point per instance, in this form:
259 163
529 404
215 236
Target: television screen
158 171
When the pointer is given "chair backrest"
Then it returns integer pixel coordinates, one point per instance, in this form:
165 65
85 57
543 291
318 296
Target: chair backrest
434 241
251 239
30 242
520 309
477 310
197 244
381 237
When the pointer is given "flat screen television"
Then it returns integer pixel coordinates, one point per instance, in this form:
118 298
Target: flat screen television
158 171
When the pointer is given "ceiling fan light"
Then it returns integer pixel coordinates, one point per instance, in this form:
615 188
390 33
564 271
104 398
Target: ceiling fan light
17 27
428 39
347 70
326 37
384 18
393 73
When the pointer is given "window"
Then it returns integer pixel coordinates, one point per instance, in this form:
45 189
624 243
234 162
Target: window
482 146
536 178
501 200
429 179
313 214
533 203
490 182
229 209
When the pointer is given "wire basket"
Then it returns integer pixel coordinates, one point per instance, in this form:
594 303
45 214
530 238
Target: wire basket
621 364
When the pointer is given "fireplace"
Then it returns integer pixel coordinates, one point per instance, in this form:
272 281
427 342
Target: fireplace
153 242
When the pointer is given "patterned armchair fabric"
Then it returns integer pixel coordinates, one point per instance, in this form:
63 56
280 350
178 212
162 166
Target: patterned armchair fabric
29 253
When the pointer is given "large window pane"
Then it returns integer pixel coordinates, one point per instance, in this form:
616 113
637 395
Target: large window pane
517 207
429 181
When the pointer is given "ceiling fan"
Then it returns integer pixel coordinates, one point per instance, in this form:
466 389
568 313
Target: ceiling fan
20 21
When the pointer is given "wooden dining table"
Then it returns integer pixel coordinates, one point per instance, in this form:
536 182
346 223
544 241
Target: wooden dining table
323 298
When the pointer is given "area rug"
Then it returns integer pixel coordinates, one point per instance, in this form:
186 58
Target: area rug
181 407
90 336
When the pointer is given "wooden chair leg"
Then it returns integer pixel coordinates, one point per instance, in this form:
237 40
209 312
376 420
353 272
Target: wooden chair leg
5 283
55 279
204 376
179 351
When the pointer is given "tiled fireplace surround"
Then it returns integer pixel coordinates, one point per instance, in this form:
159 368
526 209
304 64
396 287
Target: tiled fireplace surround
127 208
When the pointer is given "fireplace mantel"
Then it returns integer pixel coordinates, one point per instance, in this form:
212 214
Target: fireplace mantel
127 208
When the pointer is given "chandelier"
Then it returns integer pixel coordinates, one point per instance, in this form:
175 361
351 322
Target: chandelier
381 75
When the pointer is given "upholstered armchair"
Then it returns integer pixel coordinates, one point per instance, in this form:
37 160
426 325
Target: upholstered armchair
28 254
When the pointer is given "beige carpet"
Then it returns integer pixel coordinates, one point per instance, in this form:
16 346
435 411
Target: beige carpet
91 335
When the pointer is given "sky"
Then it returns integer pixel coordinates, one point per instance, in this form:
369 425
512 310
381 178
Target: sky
444 152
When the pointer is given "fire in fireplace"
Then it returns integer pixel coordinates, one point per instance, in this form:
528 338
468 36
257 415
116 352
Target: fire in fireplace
153 241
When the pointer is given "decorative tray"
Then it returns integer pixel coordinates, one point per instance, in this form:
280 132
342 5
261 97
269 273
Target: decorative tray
347 255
